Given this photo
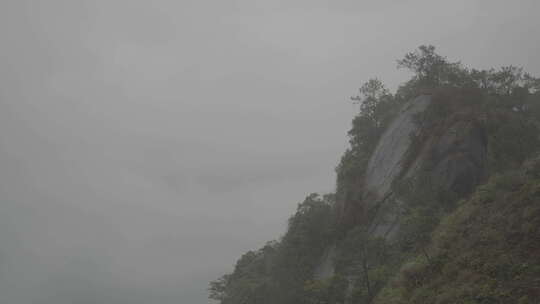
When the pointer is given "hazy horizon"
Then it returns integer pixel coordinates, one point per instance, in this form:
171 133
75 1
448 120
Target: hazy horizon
145 145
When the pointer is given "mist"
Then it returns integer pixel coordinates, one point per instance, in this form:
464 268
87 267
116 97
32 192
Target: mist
145 145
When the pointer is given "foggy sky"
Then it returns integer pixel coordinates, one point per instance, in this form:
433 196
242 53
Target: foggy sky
145 145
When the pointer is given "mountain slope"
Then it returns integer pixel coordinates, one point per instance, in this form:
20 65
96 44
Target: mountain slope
405 189
486 251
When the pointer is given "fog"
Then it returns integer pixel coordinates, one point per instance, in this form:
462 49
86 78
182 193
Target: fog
145 145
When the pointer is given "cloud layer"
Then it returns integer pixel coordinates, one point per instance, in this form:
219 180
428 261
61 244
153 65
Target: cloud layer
144 145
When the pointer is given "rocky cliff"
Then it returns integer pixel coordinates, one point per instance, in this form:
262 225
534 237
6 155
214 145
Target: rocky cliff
437 201
450 154
386 162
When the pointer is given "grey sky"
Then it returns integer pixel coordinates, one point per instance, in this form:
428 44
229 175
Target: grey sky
145 145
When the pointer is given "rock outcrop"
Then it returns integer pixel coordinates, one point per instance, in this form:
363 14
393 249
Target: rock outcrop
452 157
386 161
386 164
458 156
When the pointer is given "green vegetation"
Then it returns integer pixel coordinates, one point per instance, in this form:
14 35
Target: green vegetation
483 248
486 251
280 271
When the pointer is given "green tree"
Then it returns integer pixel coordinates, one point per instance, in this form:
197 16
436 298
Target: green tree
508 102
218 288
375 103
429 67
432 70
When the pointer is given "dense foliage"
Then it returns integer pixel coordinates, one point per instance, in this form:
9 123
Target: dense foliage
487 251
420 265
278 272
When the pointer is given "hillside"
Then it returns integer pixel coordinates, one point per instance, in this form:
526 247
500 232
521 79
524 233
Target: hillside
436 200
486 251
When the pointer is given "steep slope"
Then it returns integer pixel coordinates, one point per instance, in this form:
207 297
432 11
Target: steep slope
443 158
387 160
384 166
487 251
449 153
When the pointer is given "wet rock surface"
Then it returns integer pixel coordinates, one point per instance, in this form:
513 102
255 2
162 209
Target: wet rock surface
453 158
386 161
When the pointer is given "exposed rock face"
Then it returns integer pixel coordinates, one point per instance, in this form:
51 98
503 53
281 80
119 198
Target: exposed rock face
386 161
459 157
453 157
386 164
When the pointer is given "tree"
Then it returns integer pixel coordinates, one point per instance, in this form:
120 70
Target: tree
283 272
507 81
433 70
218 288
375 100
371 94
